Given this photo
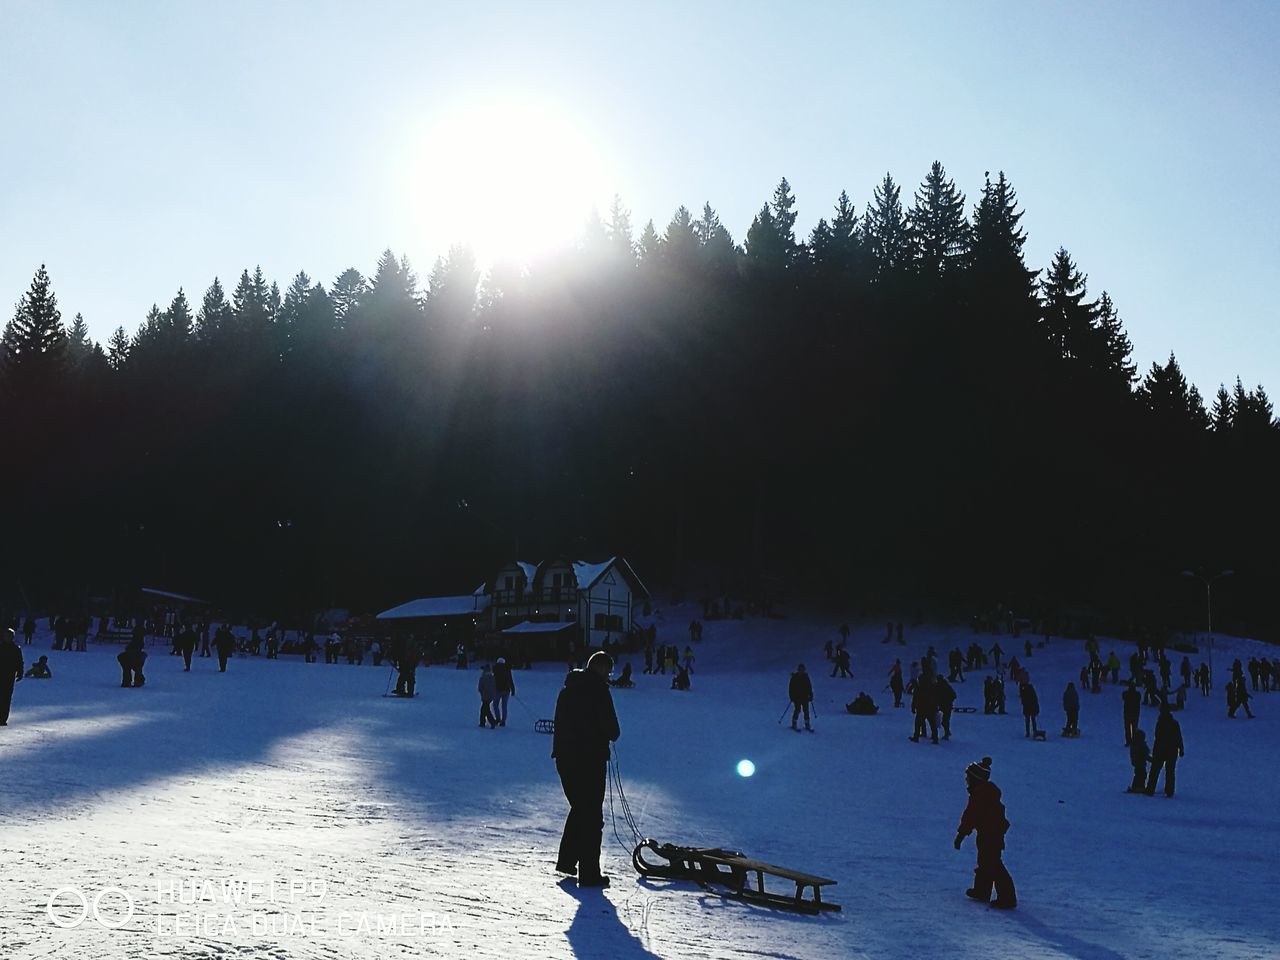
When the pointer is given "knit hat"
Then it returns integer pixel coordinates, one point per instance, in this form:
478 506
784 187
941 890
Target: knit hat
979 770
502 660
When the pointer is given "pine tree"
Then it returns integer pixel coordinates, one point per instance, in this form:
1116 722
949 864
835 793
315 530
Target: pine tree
938 225
79 346
765 249
718 254
680 245
1171 400
118 349
619 233
451 288
999 267
888 232
34 341
1117 349
1069 322
348 290
1224 410
650 245
215 316
784 218
177 319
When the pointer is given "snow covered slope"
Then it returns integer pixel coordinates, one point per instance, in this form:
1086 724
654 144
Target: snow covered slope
285 810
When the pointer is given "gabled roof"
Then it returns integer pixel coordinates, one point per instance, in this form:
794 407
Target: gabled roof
437 607
589 573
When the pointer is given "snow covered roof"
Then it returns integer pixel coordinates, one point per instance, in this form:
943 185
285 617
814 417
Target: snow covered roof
589 573
173 596
530 570
528 626
436 607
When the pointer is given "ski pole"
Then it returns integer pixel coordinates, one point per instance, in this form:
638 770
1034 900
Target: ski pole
813 704
784 711
387 692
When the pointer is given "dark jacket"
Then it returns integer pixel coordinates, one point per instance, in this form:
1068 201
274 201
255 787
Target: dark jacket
985 814
10 660
585 719
502 674
944 693
800 689
1139 753
1132 701
1168 738
1070 699
1030 702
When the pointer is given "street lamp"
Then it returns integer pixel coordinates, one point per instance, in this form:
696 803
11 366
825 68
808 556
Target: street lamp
1208 599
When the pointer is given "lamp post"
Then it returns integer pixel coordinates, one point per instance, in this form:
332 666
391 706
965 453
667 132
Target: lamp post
1208 599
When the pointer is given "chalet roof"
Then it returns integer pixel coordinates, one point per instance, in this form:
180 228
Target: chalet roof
437 607
528 626
589 573
166 595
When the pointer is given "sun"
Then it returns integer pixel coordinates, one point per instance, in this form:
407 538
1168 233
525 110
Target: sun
513 177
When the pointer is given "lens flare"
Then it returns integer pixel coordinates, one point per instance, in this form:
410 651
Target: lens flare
746 768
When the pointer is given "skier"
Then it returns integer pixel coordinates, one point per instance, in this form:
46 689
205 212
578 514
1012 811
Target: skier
10 671
1165 752
1071 706
585 723
1030 707
985 813
488 688
406 664
131 661
1139 754
40 670
506 685
225 645
996 653
800 691
895 682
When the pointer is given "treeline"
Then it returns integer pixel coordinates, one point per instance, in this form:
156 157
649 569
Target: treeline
896 410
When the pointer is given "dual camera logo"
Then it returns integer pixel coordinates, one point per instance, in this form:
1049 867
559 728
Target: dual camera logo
69 908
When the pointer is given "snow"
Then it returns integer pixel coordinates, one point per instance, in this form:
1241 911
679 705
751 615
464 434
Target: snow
437 607
299 809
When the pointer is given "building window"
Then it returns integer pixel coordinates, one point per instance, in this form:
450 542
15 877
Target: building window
608 621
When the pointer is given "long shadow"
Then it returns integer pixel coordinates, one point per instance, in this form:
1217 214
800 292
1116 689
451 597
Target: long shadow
596 929
1062 940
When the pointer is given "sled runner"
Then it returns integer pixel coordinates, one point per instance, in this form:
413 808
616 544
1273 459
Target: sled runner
964 709
544 726
727 868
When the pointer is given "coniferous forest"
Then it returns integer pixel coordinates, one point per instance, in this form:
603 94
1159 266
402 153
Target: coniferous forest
894 412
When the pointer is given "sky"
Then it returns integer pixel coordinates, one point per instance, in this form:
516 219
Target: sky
149 146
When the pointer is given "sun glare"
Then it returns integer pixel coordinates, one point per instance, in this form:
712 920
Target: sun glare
515 179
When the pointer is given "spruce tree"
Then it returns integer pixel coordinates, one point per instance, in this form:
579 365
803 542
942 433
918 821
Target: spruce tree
618 232
718 254
215 316
348 290
1117 348
887 231
680 245
939 225
118 349
1224 409
34 341
650 245
1068 321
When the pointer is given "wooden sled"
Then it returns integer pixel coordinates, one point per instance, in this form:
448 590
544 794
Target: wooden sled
734 871
545 726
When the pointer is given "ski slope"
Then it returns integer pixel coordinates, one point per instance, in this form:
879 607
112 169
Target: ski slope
285 810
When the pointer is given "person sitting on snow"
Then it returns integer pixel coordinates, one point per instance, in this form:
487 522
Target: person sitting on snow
625 679
862 705
40 670
681 681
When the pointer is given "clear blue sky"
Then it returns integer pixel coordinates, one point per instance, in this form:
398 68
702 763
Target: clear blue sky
152 145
